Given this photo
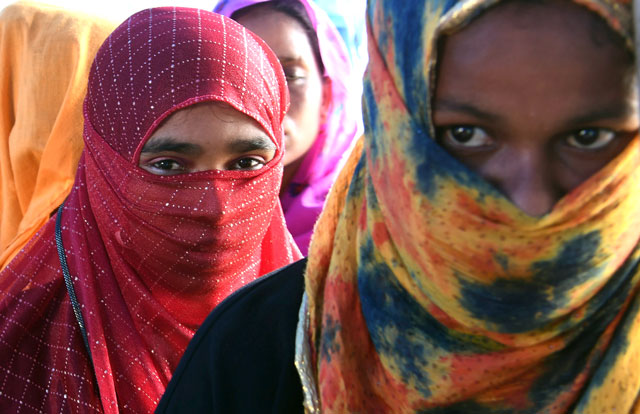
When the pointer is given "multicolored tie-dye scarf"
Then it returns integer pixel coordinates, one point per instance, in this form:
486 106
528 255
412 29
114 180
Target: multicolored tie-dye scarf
428 291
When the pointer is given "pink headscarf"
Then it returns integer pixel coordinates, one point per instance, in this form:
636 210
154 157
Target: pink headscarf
303 200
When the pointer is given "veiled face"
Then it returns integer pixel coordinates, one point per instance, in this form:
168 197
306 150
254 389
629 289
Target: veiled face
536 98
206 136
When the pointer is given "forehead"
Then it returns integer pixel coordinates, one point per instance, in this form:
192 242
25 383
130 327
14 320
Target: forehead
209 124
512 17
554 49
283 33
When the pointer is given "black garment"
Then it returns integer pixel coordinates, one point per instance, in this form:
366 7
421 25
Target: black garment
241 360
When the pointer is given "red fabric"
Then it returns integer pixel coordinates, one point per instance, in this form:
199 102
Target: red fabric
150 255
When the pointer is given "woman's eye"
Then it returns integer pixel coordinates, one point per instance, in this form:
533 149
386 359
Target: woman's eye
247 164
465 136
294 80
168 166
294 75
591 138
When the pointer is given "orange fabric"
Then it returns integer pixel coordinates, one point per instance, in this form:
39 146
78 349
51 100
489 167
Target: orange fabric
45 55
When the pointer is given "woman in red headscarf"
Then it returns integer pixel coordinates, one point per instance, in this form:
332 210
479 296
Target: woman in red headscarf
175 205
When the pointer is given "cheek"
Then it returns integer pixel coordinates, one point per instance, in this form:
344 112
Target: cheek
571 171
304 113
573 167
306 100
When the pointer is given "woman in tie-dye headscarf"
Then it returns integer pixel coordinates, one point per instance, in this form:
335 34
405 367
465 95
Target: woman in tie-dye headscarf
479 252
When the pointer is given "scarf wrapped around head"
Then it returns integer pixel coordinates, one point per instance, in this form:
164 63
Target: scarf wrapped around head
149 255
428 291
303 200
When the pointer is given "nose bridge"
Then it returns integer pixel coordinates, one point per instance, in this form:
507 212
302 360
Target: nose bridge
525 177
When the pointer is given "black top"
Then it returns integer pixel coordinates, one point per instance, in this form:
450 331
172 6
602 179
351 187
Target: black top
241 360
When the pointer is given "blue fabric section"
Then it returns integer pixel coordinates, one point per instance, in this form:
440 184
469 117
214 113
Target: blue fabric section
399 327
516 305
565 365
355 186
371 117
387 308
619 343
331 327
512 305
407 19
613 294
448 4
372 200
572 265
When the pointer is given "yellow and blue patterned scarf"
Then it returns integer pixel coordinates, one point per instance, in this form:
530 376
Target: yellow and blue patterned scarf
428 291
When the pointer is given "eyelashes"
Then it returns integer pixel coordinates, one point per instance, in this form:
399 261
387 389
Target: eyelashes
175 166
469 136
465 136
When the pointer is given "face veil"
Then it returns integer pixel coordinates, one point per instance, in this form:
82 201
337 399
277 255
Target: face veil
149 255
428 290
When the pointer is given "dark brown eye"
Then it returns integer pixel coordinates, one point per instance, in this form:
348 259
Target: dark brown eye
464 136
167 165
591 138
247 164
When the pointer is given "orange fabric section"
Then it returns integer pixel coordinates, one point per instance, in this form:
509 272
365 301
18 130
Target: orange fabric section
45 55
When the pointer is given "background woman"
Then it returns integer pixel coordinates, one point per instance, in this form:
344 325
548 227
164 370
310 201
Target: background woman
324 117
175 205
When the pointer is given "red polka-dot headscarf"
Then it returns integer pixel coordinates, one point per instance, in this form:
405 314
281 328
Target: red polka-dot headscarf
149 256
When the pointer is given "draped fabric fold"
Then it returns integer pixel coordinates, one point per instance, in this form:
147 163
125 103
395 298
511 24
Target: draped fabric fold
149 255
40 127
429 291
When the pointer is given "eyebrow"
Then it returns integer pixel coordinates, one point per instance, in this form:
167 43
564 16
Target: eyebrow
239 146
613 112
289 59
455 106
599 114
257 143
170 144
